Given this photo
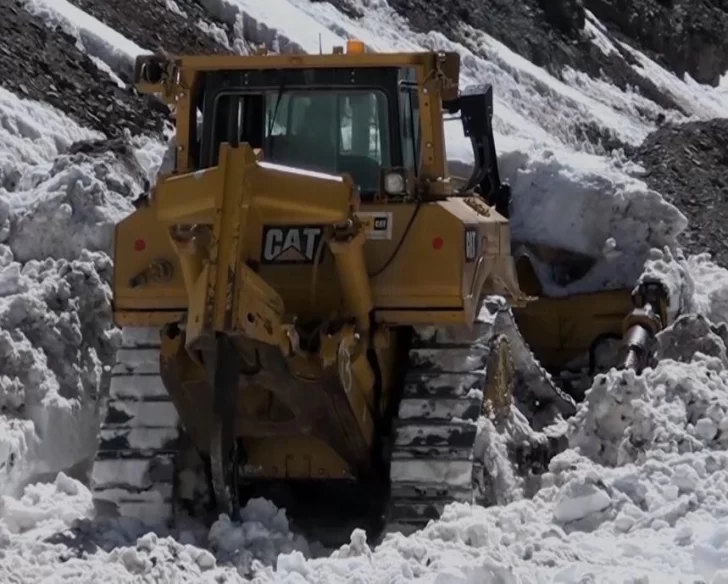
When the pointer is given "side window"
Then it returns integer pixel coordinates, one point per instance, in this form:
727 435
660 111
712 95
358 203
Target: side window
361 125
346 125
277 115
410 127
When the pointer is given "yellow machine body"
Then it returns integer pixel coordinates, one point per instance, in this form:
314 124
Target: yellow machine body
315 276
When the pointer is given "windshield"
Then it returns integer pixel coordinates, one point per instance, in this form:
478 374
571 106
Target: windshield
335 132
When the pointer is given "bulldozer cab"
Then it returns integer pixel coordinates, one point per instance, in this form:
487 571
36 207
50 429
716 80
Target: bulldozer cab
376 117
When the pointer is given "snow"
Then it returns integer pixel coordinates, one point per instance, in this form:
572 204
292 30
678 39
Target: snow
582 207
58 211
24 142
93 37
639 495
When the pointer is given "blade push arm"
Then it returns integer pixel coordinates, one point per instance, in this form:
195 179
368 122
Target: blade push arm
223 204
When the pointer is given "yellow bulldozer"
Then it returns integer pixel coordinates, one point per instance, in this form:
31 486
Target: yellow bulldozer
308 299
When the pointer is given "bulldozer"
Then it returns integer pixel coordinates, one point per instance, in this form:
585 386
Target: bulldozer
309 299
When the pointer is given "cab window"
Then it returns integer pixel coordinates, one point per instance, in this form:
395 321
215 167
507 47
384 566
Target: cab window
410 127
334 132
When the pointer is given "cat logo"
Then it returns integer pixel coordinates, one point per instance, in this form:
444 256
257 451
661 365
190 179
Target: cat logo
382 224
290 244
471 244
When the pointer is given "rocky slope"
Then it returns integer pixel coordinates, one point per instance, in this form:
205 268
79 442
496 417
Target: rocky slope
55 70
683 37
686 36
688 164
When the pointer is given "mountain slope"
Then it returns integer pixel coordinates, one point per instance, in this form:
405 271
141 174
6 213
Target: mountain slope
637 497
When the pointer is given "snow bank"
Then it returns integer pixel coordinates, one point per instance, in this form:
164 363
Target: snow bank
589 207
26 143
54 344
58 207
93 36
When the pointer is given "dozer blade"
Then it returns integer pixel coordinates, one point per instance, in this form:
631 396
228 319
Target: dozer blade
456 375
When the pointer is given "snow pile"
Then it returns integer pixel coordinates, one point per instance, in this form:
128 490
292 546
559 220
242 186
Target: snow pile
99 41
589 207
56 505
711 284
41 537
81 198
54 344
58 208
25 142
681 406
34 549
263 534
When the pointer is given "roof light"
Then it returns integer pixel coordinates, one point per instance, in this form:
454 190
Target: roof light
354 46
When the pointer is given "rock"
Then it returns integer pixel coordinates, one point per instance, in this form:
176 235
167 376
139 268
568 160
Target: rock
53 69
62 75
548 33
688 165
686 36
157 28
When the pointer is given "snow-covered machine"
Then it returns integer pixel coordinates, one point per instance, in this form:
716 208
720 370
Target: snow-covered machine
308 298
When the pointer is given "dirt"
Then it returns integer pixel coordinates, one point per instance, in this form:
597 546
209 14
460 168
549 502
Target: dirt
686 36
688 165
54 70
158 28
